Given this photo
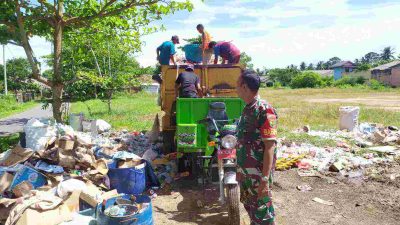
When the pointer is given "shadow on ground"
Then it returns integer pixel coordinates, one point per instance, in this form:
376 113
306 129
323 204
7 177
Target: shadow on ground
190 203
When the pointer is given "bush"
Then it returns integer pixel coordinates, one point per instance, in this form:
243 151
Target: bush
283 76
327 81
277 84
352 81
363 67
376 85
307 80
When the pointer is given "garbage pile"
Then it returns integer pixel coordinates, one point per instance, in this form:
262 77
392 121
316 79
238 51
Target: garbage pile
366 146
58 172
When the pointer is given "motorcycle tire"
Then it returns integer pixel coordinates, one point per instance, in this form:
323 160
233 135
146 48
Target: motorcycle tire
233 204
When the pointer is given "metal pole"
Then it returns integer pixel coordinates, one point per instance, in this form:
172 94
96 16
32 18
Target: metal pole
5 69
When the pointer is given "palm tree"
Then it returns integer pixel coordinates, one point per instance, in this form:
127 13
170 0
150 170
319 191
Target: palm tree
387 53
310 66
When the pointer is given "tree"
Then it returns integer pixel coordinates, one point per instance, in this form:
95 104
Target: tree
363 67
245 60
320 65
22 19
307 79
371 57
310 67
117 70
332 61
302 66
283 76
387 53
18 72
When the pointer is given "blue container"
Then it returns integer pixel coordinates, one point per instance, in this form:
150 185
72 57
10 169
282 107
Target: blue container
143 217
193 53
31 175
127 180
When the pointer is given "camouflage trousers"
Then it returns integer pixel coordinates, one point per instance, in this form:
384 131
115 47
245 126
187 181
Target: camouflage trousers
261 211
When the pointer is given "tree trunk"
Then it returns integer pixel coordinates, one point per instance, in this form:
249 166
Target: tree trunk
57 90
58 85
110 93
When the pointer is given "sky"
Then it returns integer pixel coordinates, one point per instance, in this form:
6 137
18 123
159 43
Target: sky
277 33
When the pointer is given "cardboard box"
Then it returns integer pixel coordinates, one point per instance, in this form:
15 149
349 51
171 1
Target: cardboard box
66 145
5 181
61 213
30 175
16 155
22 189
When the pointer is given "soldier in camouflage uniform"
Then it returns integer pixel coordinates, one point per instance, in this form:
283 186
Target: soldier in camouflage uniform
256 153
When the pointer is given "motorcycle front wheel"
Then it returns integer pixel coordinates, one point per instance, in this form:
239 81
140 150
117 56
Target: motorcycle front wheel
233 203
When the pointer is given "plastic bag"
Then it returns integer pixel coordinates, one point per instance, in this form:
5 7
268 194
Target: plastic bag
68 186
38 134
102 126
348 117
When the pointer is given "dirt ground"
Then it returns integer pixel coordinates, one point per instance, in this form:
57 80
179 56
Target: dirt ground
356 201
389 102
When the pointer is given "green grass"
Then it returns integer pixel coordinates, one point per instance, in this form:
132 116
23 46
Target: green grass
9 106
132 112
295 109
8 142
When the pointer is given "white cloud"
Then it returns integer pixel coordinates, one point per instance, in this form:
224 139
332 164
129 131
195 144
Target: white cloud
347 36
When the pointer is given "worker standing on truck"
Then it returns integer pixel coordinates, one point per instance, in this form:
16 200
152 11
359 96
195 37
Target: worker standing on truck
166 51
187 85
205 41
256 155
228 52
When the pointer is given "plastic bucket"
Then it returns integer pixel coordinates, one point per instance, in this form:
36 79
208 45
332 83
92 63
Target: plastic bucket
193 53
127 180
143 217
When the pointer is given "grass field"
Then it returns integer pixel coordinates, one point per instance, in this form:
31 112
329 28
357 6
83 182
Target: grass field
318 108
9 106
132 112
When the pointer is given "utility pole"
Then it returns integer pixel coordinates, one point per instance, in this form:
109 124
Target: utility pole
5 69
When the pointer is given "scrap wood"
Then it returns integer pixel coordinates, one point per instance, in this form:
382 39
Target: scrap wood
323 201
308 173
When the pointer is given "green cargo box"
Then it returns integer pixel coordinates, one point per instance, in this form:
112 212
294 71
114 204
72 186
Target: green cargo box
189 111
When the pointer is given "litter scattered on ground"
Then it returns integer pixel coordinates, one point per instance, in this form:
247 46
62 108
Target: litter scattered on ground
304 188
367 145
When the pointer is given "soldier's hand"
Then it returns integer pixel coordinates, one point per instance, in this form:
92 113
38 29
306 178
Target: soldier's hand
263 190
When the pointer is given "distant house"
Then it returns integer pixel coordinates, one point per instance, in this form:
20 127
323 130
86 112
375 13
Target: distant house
324 73
342 67
388 73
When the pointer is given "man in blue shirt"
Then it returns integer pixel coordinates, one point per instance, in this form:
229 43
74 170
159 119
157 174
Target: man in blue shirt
166 51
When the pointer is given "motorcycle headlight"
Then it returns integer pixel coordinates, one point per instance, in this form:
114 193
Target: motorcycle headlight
229 141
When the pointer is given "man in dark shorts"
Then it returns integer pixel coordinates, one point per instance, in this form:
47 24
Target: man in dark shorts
228 52
187 85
